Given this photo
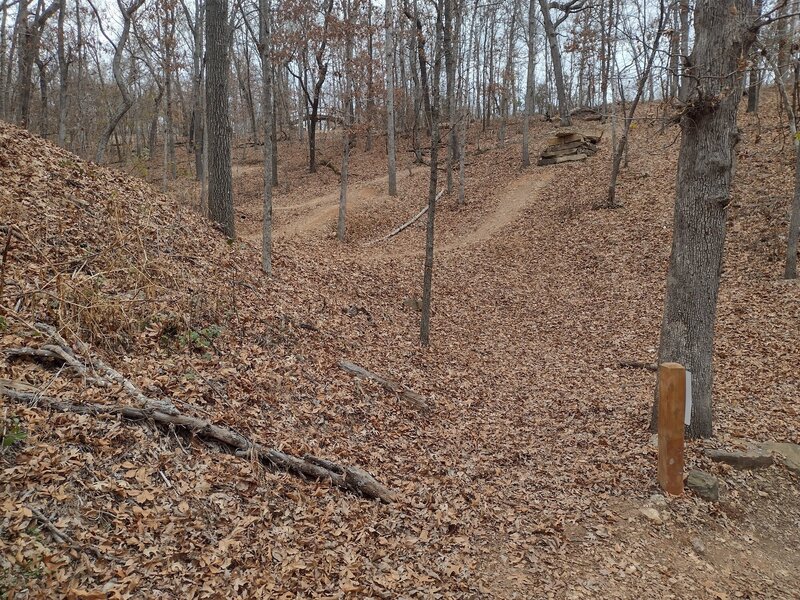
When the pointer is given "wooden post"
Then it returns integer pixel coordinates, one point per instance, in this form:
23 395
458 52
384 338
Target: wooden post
671 404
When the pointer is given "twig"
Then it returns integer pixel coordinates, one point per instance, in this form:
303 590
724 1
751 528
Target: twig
405 225
5 262
417 400
66 539
111 374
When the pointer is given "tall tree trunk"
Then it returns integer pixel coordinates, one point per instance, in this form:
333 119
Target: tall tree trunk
5 63
197 87
389 66
274 134
555 57
754 79
29 35
220 184
450 89
265 48
63 76
44 113
370 80
431 99
753 86
171 163
724 32
622 145
348 120
790 270
152 138
529 85
508 77
684 32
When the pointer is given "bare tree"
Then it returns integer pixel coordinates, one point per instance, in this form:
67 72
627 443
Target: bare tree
64 59
312 90
790 268
218 132
622 144
29 35
529 84
116 68
347 12
551 31
265 51
389 66
724 32
431 99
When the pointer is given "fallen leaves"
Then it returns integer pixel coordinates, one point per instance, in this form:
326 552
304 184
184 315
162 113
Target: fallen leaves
519 480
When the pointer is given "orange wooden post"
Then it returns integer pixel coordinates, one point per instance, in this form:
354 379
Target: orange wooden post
671 405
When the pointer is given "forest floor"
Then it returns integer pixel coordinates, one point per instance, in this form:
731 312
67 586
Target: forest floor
527 478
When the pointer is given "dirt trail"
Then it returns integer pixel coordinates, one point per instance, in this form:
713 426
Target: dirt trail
513 201
321 209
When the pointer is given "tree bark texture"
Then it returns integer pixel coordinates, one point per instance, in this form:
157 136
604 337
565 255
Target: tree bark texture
220 184
724 33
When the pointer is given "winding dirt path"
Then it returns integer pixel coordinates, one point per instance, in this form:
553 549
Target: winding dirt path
326 207
322 209
513 201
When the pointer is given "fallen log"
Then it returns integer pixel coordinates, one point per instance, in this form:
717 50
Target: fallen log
405 225
164 412
417 400
350 478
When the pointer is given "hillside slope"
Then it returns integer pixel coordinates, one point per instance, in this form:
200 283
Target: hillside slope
525 480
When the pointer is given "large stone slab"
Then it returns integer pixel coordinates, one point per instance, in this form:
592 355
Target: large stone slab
789 454
752 458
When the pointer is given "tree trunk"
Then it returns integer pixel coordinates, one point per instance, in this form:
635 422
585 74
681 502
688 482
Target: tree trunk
44 114
63 76
431 99
555 56
197 88
529 85
684 19
370 80
274 134
390 142
265 47
724 33
622 146
450 89
753 87
220 185
348 120
790 271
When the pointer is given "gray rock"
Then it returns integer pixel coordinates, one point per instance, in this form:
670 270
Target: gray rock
752 458
703 485
651 514
789 454
698 546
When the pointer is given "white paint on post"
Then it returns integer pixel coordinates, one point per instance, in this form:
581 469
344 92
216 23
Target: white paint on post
687 411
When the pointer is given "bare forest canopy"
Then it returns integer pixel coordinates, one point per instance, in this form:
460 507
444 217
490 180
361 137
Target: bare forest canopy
127 74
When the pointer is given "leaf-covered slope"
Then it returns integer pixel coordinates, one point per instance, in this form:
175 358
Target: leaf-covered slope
98 252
